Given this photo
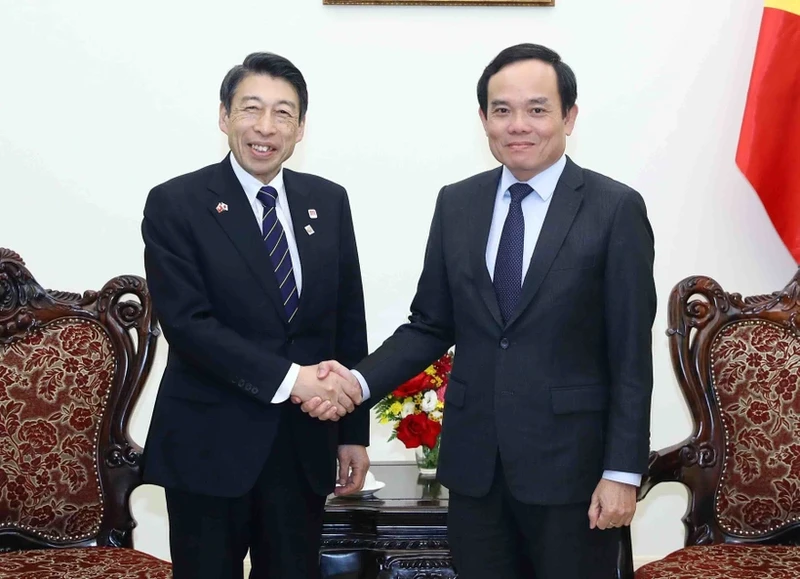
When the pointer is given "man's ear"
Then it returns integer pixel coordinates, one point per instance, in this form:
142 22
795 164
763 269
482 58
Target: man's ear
223 118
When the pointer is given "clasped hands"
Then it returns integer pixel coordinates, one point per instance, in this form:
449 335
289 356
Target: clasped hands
327 391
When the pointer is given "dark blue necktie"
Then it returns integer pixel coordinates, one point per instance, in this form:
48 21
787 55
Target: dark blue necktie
278 248
508 266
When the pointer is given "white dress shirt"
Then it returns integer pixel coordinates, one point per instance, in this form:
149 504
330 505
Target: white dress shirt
534 209
251 187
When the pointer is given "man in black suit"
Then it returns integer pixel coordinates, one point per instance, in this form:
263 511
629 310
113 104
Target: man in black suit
541 274
255 278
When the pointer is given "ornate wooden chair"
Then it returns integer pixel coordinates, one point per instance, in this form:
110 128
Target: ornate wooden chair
738 363
71 369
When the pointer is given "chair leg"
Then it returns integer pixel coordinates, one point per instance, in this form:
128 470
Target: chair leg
625 555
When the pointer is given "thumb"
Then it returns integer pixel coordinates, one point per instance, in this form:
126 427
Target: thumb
594 511
323 369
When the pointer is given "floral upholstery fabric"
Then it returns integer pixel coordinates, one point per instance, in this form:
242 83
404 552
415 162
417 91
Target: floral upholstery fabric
756 377
726 562
85 563
53 389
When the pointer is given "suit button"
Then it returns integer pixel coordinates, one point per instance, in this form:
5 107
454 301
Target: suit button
240 384
504 343
255 390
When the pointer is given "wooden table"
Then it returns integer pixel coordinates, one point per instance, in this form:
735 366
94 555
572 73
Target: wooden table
400 533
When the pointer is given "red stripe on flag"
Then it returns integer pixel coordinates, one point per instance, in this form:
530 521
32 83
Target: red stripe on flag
769 142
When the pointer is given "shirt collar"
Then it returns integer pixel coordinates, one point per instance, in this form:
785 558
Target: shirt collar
252 186
544 183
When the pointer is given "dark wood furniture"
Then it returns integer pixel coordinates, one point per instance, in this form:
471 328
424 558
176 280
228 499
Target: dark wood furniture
737 360
71 369
400 533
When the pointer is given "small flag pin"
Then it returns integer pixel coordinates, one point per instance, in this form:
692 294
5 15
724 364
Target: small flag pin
309 230
221 207
312 213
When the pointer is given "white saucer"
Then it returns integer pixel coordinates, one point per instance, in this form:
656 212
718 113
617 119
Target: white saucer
366 492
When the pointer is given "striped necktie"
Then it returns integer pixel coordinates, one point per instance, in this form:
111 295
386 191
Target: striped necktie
278 248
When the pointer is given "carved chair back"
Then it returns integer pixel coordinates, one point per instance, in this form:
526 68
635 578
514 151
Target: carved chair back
737 361
71 369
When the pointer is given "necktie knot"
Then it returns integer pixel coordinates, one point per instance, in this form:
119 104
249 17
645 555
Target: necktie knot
519 191
268 196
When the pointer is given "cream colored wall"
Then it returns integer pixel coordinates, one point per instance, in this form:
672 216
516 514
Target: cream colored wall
103 100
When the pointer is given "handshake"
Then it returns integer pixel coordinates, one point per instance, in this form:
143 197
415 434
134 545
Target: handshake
327 391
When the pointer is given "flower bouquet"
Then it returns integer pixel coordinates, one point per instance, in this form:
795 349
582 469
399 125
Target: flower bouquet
416 408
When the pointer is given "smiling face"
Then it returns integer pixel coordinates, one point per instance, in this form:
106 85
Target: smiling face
263 125
524 124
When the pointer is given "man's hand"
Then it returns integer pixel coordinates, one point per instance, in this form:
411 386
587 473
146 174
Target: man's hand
335 395
613 505
319 407
353 467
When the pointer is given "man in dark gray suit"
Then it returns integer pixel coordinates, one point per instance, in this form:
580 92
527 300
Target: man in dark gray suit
541 273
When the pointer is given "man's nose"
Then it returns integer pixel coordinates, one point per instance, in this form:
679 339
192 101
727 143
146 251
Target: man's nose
264 124
519 123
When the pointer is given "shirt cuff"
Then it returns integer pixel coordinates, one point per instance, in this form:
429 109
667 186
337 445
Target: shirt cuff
285 389
628 478
364 385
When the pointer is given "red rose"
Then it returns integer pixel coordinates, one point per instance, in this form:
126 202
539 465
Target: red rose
416 429
418 383
81 418
443 365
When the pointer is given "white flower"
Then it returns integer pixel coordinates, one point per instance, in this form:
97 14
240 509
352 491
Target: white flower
436 415
408 408
429 401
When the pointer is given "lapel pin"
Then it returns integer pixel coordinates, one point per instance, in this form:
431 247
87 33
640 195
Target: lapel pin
309 230
221 207
312 213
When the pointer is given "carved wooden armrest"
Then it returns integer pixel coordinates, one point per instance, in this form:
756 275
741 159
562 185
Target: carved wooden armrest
664 466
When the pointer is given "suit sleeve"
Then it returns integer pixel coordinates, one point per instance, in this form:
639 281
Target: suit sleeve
630 308
351 325
430 329
176 282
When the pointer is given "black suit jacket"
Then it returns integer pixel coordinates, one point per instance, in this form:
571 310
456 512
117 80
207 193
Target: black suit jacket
563 389
230 345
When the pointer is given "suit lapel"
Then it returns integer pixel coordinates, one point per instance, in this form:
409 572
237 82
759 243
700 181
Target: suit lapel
481 209
300 202
564 206
228 203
